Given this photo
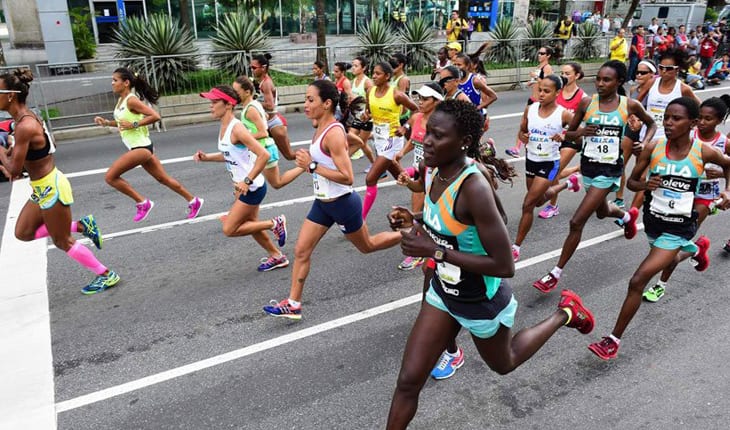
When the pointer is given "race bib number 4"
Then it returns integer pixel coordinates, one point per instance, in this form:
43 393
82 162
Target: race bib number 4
540 148
605 146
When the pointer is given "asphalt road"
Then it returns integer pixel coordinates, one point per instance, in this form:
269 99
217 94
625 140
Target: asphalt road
191 297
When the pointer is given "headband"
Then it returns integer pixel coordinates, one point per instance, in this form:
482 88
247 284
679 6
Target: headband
216 94
649 65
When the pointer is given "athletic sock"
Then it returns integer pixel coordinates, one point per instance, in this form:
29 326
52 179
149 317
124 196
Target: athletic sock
293 302
371 192
662 284
516 247
43 230
86 258
453 354
615 339
556 272
626 218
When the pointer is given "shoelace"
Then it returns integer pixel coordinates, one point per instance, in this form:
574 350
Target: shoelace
445 359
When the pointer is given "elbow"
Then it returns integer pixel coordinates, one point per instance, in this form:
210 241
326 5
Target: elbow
632 185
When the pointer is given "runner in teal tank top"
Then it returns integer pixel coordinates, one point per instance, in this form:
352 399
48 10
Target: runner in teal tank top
463 232
675 168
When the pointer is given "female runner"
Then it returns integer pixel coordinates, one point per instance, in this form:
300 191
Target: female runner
276 121
361 84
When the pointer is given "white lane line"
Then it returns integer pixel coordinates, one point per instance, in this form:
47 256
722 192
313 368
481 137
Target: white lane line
26 360
212 217
187 369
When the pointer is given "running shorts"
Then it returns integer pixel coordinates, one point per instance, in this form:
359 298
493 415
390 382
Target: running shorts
52 188
603 182
345 210
671 242
544 169
253 198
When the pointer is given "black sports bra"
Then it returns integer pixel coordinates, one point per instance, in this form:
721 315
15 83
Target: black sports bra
37 154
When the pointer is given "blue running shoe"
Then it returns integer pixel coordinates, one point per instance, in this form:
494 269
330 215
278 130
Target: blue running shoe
271 263
279 229
91 230
447 365
101 283
284 309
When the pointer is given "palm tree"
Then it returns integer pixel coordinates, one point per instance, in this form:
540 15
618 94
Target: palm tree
185 14
630 13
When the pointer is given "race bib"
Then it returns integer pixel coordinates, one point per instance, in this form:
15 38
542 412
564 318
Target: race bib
605 146
657 114
448 273
417 153
709 189
669 202
321 186
541 148
381 136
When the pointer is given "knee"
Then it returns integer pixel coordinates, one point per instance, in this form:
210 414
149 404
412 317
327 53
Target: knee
24 235
229 229
110 179
637 282
576 224
528 206
408 383
302 254
63 243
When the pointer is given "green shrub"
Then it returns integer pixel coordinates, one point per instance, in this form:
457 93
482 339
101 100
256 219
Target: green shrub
503 48
538 34
237 32
378 40
157 36
586 46
420 49
82 34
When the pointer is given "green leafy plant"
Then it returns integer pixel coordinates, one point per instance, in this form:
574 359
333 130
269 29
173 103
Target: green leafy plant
503 48
157 36
378 40
538 35
586 46
237 32
417 35
82 34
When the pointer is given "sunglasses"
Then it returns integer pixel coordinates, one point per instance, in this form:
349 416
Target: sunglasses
445 80
9 92
642 72
255 67
541 53
662 67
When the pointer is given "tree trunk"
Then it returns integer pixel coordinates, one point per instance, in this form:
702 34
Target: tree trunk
321 33
185 14
562 6
630 13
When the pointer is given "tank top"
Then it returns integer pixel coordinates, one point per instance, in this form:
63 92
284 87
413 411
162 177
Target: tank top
455 95
251 126
239 160
340 84
385 113
276 95
443 227
540 146
325 189
468 88
572 103
670 208
656 104
418 132
359 89
48 148
133 137
602 155
709 189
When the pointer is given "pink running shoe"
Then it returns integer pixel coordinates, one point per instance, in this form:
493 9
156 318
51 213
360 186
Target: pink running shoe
574 182
513 152
606 349
194 207
582 318
549 211
515 254
630 227
701 260
143 209
547 283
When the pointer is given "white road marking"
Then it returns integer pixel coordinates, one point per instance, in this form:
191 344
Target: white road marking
177 372
26 369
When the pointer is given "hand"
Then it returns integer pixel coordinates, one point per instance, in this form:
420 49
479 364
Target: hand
589 130
240 187
523 137
558 137
416 242
124 125
401 131
99 120
398 157
636 148
634 122
404 178
653 183
400 218
200 156
714 172
5 172
724 200
303 159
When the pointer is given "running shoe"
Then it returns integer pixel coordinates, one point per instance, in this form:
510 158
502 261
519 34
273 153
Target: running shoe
653 294
279 229
143 209
91 230
606 349
619 203
367 169
630 227
448 364
549 211
284 309
515 254
194 207
272 263
619 222
726 247
701 260
101 283
547 283
582 318
513 152
410 263
574 182
357 155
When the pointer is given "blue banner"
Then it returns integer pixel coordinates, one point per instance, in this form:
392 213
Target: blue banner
120 11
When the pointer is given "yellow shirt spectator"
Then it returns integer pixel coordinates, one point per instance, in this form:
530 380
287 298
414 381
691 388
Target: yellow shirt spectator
455 26
619 47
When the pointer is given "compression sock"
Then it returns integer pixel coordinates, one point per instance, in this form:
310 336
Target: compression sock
86 258
371 192
43 230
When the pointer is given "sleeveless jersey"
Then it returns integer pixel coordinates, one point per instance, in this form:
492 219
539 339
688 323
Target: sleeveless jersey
670 208
540 146
323 187
602 155
359 90
443 227
710 188
385 113
656 104
418 133
468 88
251 126
572 103
239 160
276 95
133 137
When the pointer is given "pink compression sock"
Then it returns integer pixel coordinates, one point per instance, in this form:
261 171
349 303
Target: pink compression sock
43 230
86 258
371 192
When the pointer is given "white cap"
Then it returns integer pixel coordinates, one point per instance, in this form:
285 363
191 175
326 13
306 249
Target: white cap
426 91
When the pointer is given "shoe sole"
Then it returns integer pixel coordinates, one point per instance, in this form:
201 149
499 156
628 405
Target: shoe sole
278 266
101 290
543 290
287 316
651 300
601 356
199 209
457 367
152 204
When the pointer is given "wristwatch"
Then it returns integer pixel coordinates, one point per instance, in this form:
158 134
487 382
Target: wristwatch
313 166
135 124
247 181
439 255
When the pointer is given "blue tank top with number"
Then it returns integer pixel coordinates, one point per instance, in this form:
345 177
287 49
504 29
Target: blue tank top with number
443 227
602 155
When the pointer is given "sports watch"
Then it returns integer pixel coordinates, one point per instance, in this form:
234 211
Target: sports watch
135 124
247 181
439 255
313 166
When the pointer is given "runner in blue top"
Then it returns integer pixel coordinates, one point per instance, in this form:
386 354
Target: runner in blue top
463 232
676 164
